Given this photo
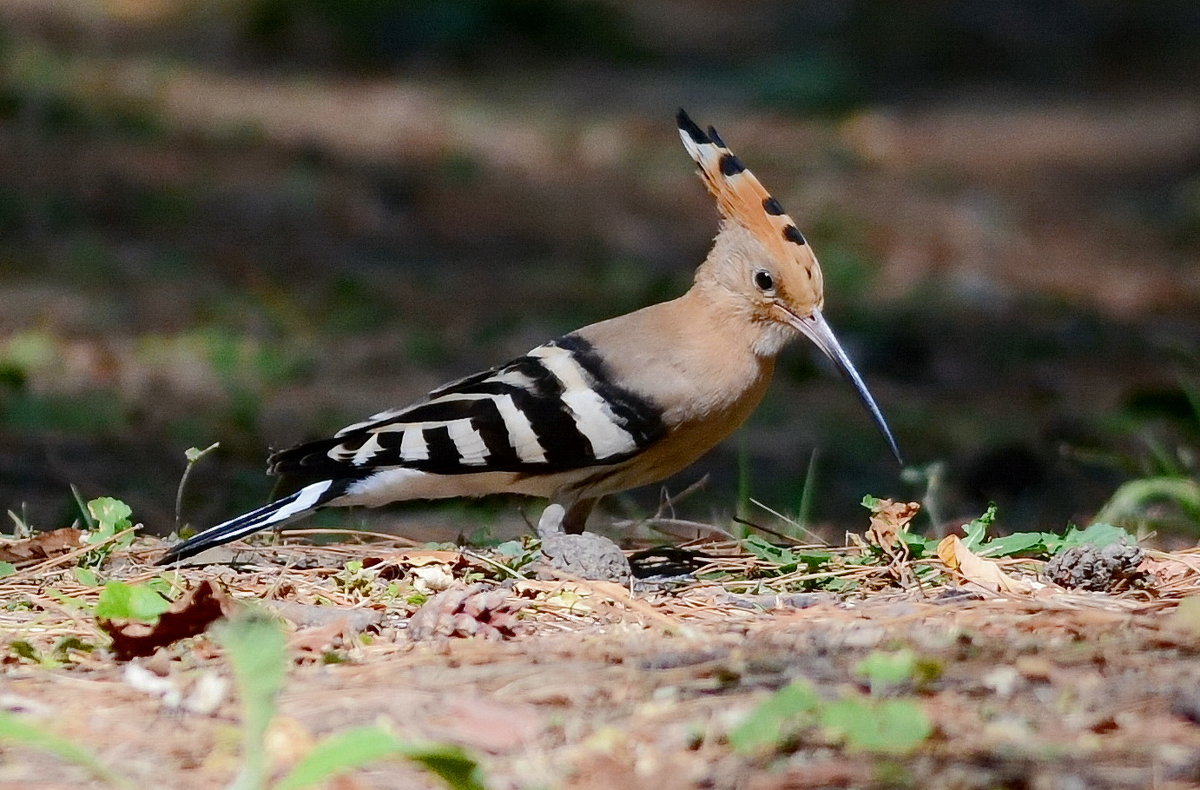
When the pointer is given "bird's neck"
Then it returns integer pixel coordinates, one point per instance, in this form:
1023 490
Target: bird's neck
685 354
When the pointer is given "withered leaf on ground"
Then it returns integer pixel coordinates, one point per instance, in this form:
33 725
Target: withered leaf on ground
41 546
888 520
396 564
188 616
986 573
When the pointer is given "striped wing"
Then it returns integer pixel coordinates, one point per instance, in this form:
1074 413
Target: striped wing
551 410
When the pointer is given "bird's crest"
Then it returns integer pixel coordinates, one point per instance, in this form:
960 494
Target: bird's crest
741 197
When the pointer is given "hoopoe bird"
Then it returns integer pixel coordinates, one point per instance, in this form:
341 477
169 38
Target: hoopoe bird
615 405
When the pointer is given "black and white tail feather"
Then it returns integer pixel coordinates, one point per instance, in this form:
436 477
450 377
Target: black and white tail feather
548 422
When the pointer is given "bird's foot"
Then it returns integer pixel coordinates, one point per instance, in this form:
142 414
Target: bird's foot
587 555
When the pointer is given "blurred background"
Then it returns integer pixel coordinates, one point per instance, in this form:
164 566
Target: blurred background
253 221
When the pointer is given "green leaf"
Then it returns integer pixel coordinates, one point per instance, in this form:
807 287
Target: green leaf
64 646
767 551
871 503
7 569
775 718
22 649
354 748
258 655
85 576
883 670
161 585
455 767
511 548
919 545
1098 535
121 601
976 530
787 559
894 726
340 753
14 730
1016 543
111 515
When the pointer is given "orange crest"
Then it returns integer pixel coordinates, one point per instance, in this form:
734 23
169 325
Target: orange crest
740 196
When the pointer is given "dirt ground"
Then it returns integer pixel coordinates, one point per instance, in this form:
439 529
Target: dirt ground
601 687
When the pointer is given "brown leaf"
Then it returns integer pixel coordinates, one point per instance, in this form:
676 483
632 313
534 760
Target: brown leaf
888 520
985 573
397 564
1167 570
188 616
41 546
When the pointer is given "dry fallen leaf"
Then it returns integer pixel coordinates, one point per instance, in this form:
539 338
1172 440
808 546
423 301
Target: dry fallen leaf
188 616
1167 570
397 564
985 573
888 520
432 578
42 546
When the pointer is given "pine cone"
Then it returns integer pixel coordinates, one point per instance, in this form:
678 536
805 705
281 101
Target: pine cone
466 611
1108 569
587 555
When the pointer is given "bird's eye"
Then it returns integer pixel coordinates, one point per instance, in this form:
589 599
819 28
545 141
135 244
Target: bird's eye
764 281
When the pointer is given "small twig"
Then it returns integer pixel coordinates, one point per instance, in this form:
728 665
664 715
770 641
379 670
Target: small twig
669 501
358 533
766 530
498 565
193 455
811 535
658 525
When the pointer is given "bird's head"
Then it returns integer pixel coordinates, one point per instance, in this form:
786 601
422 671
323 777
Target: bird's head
761 264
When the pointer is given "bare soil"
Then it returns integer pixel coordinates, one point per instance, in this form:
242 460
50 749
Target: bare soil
606 688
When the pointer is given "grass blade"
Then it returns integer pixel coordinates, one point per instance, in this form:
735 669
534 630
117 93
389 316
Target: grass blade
258 657
340 753
14 730
352 749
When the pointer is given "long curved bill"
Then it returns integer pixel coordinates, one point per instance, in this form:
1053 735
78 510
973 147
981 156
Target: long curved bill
817 330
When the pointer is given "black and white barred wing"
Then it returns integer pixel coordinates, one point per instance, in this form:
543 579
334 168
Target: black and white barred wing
553 410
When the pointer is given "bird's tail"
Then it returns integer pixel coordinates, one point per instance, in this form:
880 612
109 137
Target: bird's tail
301 503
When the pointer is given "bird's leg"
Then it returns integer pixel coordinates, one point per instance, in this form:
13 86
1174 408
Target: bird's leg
576 517
551 522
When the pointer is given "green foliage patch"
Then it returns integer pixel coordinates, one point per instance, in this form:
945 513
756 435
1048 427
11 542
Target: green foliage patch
872 724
